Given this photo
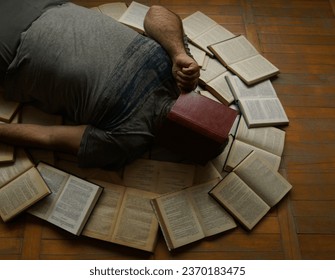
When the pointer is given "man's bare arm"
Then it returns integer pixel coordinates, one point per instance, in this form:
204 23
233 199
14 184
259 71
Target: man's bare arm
60 137
166 28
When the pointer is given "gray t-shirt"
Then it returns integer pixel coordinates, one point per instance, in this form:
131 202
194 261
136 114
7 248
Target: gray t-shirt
98 72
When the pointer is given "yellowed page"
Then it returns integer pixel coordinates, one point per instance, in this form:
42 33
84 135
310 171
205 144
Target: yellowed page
206 173
234 50
10 171
21 193
136 225
240 200
134 16
179 222
213 69
196 24
6 153
158 176
56 180
74 205
215 34
102 221
214 219
220 89
254 69
262 179
142 174
269 138
241 150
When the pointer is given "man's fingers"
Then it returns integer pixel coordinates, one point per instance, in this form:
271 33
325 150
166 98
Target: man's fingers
187 76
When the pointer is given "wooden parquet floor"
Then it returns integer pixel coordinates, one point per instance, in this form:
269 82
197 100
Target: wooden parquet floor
298 36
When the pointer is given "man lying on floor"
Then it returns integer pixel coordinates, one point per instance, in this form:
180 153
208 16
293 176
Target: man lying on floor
114 85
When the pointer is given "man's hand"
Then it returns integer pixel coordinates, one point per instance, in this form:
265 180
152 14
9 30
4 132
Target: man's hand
186 72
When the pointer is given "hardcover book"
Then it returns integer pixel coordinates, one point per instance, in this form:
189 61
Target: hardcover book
197 127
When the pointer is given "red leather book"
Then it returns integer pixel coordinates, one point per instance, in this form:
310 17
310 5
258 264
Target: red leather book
197 127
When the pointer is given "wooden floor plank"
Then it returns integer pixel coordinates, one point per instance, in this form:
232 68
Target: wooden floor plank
315 225
10 246
317 246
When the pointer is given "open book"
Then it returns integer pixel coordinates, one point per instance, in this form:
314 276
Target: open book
134 16
158 176
71 201
242 58
259 103
203 31
212 78
267 142
20 186
22 192
10 171
124 216
190 215
212 70
250 191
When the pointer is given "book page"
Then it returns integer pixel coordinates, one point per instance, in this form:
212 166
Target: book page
270 139
233 50
259 103
207 94
178 220
215 34
254 69
141 174
101 223
10 171
241 150
220 161
56 180
21 193
198 54
134 16
6 153
73 204
158 176
220 89
114 10
206 173
213 218
175 176
240 200
196 24
265 181
265 111
213 69
137 225
242 91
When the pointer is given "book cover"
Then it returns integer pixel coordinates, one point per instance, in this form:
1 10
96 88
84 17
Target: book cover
197 127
